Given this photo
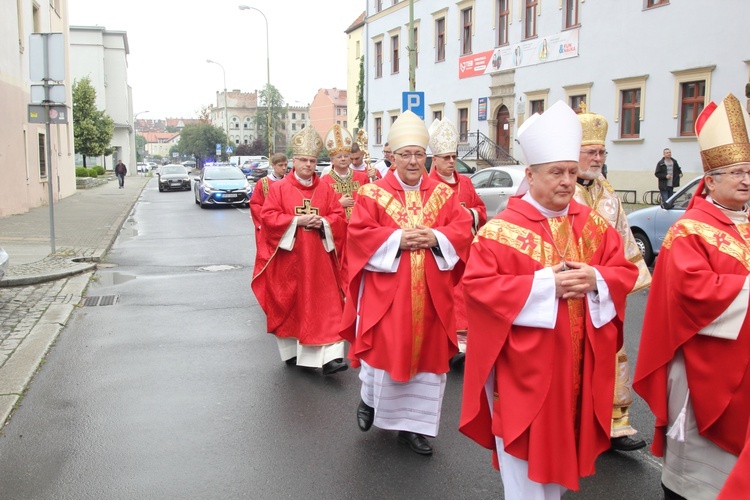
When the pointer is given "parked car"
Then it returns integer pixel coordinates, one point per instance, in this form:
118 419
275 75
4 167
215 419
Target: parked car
152 165
461 166
495 185
188 164
650 225
173 177
221 185
141 168
3 262
260 171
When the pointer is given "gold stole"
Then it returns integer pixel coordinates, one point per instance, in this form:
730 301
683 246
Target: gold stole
414 211
726 243
344 187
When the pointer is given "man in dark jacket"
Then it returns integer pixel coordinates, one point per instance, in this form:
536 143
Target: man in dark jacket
668 172
121 171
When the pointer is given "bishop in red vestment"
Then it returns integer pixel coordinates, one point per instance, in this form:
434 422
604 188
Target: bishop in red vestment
298 287
546 286
694 359
406 236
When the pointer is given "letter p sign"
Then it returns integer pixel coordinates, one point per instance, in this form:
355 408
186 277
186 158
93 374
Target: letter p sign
414 102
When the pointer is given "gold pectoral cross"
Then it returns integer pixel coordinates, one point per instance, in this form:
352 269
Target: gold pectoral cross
306 209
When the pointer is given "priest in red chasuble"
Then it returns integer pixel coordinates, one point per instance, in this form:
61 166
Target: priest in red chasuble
260 192
444 147
545 286
298 288
407 235
694 358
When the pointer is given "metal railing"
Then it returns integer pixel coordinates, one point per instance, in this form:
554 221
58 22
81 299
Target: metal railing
478 146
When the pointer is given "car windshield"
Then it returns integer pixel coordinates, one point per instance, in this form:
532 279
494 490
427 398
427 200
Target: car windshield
224 173
683 199
174 170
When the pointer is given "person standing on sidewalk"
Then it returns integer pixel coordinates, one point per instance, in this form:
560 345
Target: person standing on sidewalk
595 192
121 171
668 172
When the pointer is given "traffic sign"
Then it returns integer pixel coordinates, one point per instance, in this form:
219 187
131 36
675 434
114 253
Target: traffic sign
229 150
414 102
39 113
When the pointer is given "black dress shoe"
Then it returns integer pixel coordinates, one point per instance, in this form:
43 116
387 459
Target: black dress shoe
626 443
365 416
417 442
334 366
291 361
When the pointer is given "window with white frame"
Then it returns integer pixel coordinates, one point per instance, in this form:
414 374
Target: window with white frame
630 106
692 91
571 13
394 54
378 59
529 18
440 39
503 18
466 29
576 94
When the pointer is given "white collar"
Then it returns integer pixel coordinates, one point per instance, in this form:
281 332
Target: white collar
546 212
406 186
302 181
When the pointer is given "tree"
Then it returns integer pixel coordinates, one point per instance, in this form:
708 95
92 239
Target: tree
361 116
278 110
243 150
140 146
200 140
92 128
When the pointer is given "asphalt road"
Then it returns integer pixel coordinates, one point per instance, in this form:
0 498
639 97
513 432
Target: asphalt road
176 391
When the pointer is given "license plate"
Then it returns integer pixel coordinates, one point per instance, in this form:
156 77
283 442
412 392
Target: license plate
230 195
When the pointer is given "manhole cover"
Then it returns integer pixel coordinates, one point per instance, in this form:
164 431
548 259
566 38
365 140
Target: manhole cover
218 268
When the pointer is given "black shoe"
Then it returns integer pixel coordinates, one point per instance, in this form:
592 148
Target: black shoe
365 415
626 443
417 442
335 365
291 361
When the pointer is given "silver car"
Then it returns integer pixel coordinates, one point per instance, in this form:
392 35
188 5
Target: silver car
650 225
495 185
3 263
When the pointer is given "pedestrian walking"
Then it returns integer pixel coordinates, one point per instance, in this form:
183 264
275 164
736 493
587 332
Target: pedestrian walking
121 171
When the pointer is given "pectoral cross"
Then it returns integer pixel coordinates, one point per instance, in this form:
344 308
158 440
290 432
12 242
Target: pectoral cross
306 209
347 187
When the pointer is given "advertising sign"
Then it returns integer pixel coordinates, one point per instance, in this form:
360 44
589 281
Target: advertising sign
540 50
482 109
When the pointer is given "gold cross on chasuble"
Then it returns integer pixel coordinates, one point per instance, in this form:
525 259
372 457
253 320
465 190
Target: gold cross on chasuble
306 209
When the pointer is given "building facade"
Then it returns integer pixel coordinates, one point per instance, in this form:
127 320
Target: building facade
101 55
487 65
329 107
354 53
23 145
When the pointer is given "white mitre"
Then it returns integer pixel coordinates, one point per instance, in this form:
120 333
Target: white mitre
443 137
554 135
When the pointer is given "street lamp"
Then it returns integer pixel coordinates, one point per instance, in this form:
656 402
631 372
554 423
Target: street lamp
226 116
268 80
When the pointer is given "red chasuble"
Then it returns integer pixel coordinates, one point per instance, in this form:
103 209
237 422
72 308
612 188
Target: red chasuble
406 323
469 199
553 388
702 266
260 192
299 289
348 186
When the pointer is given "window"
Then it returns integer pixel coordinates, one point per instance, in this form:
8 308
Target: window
466 31
692 100
378 130
529 20
630 114
294 126
378 59
302 126
393 118
344 111
463 124
437 115
294 116
357 51
394 54
345 124
503 14
575 102
537 106
656 3
440 39
302 116
378 5
338 111
42 156
571 13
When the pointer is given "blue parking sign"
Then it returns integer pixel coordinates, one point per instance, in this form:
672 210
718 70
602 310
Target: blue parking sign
414 102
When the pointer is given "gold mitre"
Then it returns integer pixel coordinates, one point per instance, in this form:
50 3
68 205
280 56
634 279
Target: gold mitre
443 138
594 127
338 141
307 142
723 133
408 130
361 139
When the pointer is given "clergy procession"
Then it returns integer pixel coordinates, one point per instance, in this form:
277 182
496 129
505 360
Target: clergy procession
396 271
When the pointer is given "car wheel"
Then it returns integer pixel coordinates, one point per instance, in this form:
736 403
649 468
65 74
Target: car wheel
195 197
645 247
161 189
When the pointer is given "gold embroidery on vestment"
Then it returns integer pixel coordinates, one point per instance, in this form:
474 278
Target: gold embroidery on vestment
723 241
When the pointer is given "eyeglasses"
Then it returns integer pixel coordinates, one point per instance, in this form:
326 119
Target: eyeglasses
387 152
598 152
448 157
407 156
735 174
306 160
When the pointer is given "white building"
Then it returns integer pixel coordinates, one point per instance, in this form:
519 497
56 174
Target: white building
23 145
101 55
488 63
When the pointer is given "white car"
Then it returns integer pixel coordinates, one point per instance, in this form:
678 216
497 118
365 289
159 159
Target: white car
495 185
141 168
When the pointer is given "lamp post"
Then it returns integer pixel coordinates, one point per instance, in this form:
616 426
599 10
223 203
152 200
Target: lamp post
226 116
135 127
268 81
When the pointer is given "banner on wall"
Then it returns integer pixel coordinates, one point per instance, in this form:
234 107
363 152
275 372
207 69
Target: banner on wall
540 50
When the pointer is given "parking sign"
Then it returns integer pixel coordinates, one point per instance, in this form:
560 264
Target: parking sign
414 102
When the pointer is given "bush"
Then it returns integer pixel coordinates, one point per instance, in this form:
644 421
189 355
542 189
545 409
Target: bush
98 169
82 172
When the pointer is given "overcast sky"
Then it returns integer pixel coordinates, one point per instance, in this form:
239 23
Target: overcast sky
170 41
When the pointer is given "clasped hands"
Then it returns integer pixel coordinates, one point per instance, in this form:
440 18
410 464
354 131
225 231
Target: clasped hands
346 201
417 238
575 281
310 221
